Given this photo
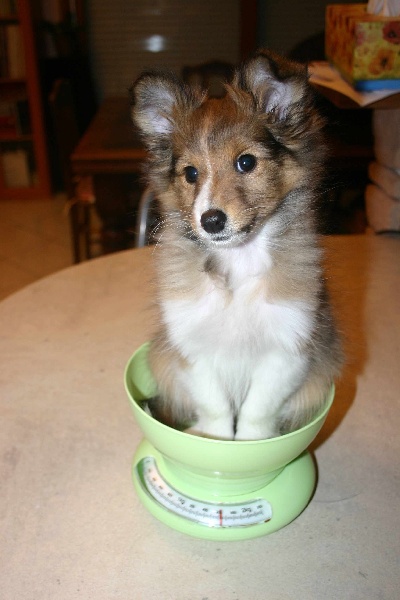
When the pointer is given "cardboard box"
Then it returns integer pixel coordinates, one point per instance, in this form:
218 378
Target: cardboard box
364 48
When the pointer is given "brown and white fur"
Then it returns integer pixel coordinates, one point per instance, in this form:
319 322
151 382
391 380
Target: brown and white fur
247 348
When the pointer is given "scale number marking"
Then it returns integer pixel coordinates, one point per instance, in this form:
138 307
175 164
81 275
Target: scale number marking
210 514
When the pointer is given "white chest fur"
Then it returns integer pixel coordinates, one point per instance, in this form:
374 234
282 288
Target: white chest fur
238 322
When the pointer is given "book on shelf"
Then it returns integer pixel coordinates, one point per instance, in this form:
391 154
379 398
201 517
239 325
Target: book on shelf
7 126
14 54
15 167
23 117
3 52
7 8
15 118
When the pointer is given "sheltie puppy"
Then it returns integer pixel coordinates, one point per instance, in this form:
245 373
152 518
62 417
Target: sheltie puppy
247 348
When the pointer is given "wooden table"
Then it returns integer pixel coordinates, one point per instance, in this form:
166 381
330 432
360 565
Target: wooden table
111 152
71 524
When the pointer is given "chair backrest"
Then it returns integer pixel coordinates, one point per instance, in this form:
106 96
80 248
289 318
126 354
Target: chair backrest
65 127
209 76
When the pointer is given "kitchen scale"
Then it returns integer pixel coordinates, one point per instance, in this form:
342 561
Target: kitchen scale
217 489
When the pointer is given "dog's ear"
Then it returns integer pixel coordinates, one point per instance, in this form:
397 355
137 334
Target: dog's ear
156 100
275 82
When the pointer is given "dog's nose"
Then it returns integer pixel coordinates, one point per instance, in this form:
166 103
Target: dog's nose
213 220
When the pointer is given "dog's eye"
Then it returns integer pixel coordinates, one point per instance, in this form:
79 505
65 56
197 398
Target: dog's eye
191 174
246 163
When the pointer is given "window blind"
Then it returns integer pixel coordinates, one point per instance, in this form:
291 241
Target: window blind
128 36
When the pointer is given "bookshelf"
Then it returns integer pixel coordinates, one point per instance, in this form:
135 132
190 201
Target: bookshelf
24 168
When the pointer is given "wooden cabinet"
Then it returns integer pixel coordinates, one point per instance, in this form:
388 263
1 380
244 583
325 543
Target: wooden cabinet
24 169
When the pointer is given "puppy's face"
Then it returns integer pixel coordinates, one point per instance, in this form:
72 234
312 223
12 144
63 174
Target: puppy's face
225 166
228 176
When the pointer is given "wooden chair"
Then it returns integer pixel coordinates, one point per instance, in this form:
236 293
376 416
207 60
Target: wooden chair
79 189
209 76
142 233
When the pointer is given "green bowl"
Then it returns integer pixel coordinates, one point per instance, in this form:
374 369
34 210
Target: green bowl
224 467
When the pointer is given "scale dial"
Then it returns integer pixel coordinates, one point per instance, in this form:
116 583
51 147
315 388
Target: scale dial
209 514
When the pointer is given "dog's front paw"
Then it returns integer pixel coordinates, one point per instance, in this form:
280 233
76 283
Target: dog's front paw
216 430
247 431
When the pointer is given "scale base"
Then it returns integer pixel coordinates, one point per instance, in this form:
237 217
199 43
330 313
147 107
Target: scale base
286 497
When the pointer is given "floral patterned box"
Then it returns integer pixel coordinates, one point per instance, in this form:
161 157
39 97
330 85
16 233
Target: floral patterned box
365 48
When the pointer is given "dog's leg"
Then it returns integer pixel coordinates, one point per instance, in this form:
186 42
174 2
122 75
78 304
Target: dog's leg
274 379
211 402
